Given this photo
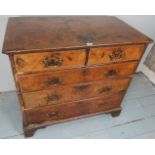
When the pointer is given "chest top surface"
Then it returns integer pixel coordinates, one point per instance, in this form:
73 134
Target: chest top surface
65 32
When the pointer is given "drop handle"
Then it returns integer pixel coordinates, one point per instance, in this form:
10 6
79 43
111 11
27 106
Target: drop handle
53 61
117 54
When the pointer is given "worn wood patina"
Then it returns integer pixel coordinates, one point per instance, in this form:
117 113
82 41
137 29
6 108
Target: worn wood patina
68 67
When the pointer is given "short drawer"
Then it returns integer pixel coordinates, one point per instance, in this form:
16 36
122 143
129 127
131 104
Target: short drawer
74 109
34 62
69 93
115 54
40 81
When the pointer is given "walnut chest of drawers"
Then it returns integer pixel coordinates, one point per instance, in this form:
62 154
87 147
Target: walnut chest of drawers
67 67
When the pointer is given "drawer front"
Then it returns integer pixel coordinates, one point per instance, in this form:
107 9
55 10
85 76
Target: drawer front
46 80
66 111
115 54
69 93
34 62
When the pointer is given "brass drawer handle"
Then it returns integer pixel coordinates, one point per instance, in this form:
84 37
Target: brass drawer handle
111 73
117 54
54 97
105 89
53 61
52 81
53 114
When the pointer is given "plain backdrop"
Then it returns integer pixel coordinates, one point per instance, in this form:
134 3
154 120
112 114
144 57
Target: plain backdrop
145 24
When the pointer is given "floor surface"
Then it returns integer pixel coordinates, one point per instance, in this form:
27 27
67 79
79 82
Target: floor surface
137 119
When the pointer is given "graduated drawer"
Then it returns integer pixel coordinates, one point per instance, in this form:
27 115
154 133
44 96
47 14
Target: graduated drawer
46 80
69 93
113 54
34 62
74 109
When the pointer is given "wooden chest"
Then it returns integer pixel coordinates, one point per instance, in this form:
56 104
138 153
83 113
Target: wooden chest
67 67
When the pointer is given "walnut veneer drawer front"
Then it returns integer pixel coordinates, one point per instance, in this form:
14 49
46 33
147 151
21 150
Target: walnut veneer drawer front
70 93
42 81
115 54
33 62
65 111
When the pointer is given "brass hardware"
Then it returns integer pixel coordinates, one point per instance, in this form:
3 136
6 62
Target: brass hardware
53 61
117 54
105 89
52 81
54 97
45 62
111 73
53 114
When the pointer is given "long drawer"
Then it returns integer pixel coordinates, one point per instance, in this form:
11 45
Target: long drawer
36 62
69 93
105 55
74 109
40 81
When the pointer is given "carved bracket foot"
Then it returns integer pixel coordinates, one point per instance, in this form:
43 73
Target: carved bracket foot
29 133
115 113
30 130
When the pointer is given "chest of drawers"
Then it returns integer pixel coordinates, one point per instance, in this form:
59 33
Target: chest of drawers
68 67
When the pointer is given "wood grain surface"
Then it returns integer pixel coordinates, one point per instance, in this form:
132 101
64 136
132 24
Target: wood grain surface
75 92
56 32
33 62
68 67
74 109
52 79
115 54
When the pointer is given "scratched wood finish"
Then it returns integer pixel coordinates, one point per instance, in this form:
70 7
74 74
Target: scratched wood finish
70 93
56 78
66 67
55 32
74 109
110 54
33 62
